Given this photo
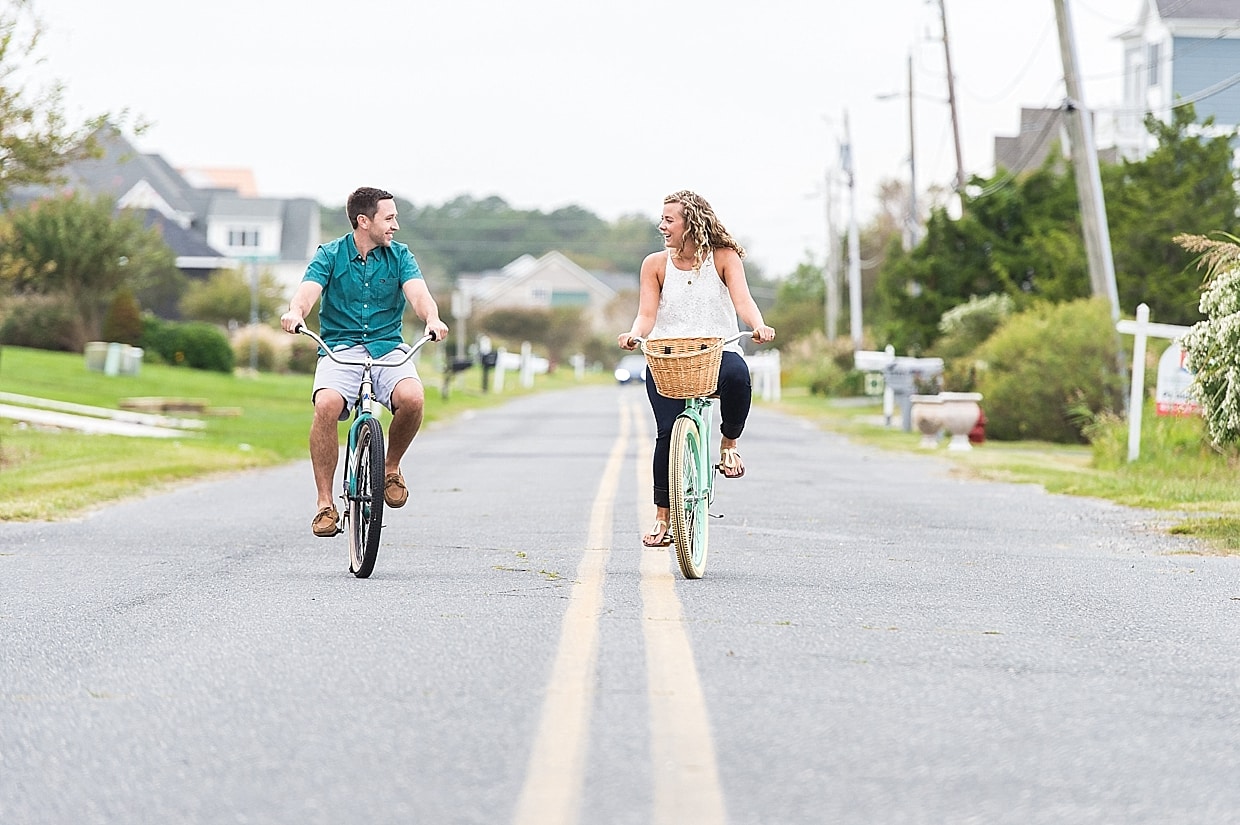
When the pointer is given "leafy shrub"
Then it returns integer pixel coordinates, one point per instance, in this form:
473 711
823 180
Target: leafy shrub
824 367
966 327
1048 371
303 355
206 348
1212 345
266 344
39 322
195 344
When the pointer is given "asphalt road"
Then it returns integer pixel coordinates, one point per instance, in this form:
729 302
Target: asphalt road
875 641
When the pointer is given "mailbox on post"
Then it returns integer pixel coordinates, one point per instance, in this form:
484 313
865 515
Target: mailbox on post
904 377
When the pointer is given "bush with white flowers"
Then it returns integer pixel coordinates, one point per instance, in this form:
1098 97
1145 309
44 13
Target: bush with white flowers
1212 345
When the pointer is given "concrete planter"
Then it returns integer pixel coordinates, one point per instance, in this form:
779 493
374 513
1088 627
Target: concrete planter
959 414
927 417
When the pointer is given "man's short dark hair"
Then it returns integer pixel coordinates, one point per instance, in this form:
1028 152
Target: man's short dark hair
365 201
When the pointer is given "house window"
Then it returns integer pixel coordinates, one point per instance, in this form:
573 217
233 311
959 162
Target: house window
540 294
243 238
1153 60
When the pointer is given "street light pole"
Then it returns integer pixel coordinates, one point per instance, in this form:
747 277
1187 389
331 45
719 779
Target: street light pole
253 316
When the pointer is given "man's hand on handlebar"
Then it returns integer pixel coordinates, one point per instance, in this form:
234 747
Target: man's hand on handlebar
436 329
290 321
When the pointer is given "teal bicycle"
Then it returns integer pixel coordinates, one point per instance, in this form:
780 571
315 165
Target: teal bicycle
363 468
688 368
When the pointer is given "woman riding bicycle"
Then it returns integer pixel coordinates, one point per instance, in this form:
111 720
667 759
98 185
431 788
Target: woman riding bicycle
364 279
696 287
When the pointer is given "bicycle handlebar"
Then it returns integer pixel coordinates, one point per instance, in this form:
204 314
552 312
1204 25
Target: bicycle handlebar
729 340
368 362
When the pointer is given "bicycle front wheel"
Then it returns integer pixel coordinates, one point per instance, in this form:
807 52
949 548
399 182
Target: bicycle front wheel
689 498
364 491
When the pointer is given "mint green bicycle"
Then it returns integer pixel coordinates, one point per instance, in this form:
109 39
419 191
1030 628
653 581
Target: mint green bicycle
363 467
688 368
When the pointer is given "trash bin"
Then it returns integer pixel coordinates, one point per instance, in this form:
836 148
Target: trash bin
131 361
96 353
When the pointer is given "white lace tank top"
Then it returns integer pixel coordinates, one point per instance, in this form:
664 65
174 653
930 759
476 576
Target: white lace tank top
695 305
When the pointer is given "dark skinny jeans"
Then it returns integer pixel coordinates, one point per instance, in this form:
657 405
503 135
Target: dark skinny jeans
735 396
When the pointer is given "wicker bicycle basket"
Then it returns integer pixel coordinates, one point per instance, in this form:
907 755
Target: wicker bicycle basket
684 367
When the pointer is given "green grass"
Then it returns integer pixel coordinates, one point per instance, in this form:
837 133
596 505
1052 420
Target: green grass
45 475
1177 470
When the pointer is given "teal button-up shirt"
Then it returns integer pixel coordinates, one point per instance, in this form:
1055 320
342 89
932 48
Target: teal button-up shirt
363 301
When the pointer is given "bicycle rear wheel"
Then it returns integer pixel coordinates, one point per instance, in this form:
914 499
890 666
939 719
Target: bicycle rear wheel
688 494
364 491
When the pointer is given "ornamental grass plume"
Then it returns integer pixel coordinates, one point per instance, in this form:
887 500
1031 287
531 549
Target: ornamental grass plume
1212 345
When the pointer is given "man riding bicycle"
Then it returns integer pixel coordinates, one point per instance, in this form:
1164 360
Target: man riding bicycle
364 279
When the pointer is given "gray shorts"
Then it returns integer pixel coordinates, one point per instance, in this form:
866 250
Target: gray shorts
347 380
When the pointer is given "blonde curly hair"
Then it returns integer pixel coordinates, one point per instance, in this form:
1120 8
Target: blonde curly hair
703 226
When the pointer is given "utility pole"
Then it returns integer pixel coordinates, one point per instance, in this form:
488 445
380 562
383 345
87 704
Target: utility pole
1079 121
914 218
951 101
912 223
831 270
854 244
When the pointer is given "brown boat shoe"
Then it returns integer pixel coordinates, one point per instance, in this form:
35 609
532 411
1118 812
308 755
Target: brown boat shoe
326 523
395 493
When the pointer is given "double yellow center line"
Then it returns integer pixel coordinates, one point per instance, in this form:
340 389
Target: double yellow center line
685 774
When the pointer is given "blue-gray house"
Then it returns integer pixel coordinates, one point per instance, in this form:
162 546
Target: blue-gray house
1179 51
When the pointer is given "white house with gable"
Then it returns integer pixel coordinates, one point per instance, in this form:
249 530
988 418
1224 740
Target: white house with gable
547 283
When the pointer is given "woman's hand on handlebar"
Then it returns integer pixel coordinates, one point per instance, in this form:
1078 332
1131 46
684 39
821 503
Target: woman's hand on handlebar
764 334
628 340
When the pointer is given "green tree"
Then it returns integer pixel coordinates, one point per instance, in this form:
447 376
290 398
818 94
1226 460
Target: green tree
1022 236
468 234
798 308
1186 185
226 296
123 323
35 139
80 250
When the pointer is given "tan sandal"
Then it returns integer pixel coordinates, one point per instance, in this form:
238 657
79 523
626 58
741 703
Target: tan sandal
730 460
326 523
659 536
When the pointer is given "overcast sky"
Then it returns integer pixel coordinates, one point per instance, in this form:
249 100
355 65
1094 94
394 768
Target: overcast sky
606 104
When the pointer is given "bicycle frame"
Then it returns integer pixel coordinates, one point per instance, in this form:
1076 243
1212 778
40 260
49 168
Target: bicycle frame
699 411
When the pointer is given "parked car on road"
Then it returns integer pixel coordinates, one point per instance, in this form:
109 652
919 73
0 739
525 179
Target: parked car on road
632 368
